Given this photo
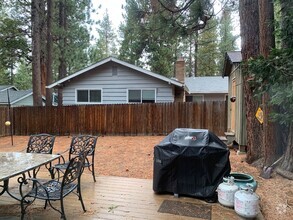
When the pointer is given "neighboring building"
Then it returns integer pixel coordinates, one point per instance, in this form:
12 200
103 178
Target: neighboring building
112 81
208 88
236 107
16 97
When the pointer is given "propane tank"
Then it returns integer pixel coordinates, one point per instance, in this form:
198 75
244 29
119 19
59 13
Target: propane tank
226 191
246 202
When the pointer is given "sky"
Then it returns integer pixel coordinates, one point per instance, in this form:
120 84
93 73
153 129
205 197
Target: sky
114 10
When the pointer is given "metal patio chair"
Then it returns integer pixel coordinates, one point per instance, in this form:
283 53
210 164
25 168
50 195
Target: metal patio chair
56 190
42 144
79 144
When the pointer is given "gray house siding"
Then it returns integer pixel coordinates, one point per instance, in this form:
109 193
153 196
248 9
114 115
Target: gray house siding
215 97
114 86
236 110
240 122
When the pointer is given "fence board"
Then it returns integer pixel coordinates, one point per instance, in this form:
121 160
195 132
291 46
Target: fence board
120 119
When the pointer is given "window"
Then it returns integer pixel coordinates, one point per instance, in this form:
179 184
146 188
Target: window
134 96
142 95
194 98
197 98
89 96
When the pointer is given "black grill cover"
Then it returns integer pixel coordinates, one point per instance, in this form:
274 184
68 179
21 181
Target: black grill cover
190 162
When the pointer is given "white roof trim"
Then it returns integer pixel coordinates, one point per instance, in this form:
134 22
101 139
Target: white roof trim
9 87
158 76
23 97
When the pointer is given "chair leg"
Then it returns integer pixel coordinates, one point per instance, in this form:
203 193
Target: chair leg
93 172
22 208
80 198
62 209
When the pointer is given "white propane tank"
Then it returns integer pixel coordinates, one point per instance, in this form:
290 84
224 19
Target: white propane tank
226 191
246 202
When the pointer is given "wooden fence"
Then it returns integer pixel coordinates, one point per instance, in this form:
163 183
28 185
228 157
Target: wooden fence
4 116
118 119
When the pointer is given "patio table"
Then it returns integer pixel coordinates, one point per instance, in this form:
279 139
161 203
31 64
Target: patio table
16 163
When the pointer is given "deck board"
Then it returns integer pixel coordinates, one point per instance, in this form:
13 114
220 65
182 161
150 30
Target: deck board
111 198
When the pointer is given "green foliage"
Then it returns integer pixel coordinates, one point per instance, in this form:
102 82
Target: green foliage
227 39
133 32
274 75
207 50
154 35
13 43
105 45
23 77
5 78
77 34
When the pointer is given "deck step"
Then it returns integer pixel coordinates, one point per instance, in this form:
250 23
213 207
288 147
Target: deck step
230 137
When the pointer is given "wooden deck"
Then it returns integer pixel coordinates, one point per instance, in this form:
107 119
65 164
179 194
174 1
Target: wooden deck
112 198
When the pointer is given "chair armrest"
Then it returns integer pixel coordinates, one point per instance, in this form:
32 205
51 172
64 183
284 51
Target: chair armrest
63 152
61 159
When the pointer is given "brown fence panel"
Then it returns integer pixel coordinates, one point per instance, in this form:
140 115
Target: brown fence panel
119 119
4 116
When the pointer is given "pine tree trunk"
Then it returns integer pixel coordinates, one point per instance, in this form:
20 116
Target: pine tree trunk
286 166
43 28
196 54
249 28
36 53
62 47
287 163
267 42
49 79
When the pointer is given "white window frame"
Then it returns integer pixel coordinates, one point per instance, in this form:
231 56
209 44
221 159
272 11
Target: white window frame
147 89
88 89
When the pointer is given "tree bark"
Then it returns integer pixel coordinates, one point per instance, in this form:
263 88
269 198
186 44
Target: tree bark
266 27
249 28
196 54
43 47
267 42
287 162
36 53
62 47
49 62
286 167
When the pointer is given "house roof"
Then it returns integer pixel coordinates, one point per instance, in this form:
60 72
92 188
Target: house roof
115 60
5 87
235 56
14 95
207 84
231 57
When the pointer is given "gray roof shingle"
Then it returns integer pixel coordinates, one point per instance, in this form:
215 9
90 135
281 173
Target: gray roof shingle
207 84
14 95
235 56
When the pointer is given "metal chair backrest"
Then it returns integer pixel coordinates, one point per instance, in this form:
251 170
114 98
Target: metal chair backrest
83 143
73 170
41 143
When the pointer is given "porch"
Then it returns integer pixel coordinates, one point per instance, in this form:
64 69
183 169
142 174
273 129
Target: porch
120 198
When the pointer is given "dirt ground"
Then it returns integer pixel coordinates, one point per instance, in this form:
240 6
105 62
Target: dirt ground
133 157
